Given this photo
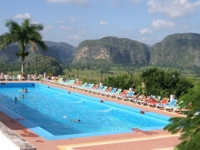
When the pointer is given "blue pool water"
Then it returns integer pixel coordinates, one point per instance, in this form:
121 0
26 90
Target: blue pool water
51 110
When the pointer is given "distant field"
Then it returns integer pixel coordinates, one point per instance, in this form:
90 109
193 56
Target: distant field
95 75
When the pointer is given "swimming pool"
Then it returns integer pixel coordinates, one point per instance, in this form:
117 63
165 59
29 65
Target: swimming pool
49 112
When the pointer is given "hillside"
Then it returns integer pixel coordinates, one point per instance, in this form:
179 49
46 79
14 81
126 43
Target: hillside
176 50
113 50
65 50
9 54
62 52
180 50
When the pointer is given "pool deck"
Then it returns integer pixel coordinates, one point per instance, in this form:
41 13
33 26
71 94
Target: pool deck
138 140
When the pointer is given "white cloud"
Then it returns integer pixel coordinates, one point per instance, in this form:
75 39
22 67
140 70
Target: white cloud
58 21
73 19
83 31
162 24
134 1
185 27
47 28
65 27
23 16
150 40
114 3
102 36
103 23
76 37
35 22
79 2
198 25
145 31
173 8
144 39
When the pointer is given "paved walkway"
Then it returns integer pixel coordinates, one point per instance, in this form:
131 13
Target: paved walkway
138 140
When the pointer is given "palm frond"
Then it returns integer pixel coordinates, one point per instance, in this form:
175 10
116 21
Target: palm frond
24 34
5 40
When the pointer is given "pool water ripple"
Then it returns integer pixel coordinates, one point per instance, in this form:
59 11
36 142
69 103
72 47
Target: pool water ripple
54 109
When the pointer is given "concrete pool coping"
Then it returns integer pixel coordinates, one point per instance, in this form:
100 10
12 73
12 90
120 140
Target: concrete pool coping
14 139
104 141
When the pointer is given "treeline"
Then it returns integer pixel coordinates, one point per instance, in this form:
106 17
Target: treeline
92 64
36 64
153 81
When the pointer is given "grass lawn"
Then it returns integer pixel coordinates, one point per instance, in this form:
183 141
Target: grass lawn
94 75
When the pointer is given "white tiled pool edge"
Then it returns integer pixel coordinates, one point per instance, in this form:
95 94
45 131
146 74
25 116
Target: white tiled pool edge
12 141
6 143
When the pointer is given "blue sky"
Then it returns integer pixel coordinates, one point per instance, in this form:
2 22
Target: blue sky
73 21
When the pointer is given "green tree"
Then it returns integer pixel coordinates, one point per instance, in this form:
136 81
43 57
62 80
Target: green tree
44 64
123 82
164 83
188 125
26 34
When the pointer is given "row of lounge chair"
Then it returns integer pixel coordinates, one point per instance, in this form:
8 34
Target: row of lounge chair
164 104
93 88
126 95
18 78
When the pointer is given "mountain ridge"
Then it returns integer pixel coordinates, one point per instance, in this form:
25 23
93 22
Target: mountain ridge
113 50
177 50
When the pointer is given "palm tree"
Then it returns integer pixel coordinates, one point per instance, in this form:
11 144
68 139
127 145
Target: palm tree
26 34
188 125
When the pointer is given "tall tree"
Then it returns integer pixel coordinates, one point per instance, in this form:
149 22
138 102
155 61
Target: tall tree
189 124
24 34
123 81
164 83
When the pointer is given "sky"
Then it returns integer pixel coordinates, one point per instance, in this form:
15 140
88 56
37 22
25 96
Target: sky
73 21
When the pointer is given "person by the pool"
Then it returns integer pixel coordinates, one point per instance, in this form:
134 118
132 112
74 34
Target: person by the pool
22 90
25 90
15 99
78 120
22 95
